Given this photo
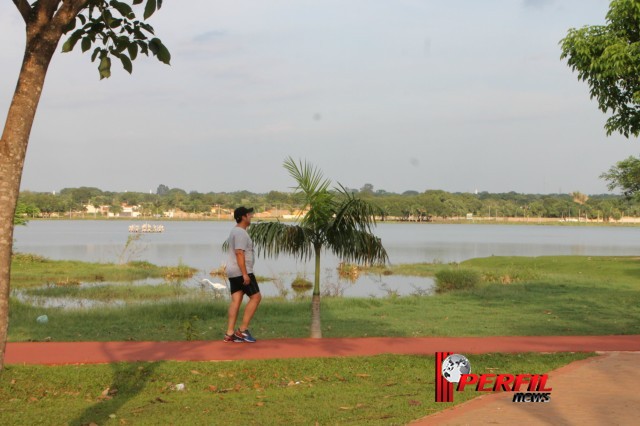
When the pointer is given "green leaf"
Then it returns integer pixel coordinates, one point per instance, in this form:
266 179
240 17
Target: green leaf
147 27
72 40
123 8
108 17
164 55
105 67
82 19
149 8
94 55
153 46
121 43
86 44
143 48
137 1
160 50
133 51
126 63
68 45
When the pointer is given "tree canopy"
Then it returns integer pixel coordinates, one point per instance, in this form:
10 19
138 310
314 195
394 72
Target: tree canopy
432 203
626 176
111 28
607 57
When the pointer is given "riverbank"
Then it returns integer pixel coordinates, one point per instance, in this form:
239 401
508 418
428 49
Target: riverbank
551 295
477 220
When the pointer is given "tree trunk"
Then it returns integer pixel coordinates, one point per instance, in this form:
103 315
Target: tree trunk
316 329
42 39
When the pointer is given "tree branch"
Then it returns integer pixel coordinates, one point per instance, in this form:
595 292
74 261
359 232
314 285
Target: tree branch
24 8
49 8
69 11
75 5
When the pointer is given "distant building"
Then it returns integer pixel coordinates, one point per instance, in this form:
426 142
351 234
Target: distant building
91 209
129 211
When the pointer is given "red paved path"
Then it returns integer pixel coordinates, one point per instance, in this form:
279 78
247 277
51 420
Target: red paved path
574 400
103 352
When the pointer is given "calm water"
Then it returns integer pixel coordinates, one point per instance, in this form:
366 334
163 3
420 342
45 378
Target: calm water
198 244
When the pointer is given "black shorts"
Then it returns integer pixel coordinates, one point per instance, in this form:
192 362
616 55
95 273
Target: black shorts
237 284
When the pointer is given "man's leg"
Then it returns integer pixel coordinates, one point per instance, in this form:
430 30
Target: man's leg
250 309
234 308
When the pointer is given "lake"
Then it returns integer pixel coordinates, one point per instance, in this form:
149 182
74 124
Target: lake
199 244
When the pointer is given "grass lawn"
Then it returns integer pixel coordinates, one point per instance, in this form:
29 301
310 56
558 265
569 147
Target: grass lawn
29 270
386 389
561 295
110 292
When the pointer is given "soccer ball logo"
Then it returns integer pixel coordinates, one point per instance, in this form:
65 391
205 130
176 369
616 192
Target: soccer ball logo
454 366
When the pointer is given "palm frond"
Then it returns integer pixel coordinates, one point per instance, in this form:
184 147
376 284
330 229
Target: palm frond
354 213
315 190
272 238
358 246
309 179
350 232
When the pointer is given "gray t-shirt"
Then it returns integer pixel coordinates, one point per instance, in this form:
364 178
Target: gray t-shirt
239 239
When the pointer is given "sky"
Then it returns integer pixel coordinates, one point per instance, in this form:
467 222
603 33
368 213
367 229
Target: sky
461 95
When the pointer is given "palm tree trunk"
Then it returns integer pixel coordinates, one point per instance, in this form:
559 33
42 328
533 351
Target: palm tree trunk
316 329
41 44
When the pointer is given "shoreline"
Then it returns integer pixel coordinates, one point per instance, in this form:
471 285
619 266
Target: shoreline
624 222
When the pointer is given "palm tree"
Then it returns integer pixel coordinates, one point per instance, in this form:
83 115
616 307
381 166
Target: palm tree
337 221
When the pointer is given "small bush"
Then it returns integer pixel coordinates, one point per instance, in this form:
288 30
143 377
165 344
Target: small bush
456 279
301 283
180 271
349 271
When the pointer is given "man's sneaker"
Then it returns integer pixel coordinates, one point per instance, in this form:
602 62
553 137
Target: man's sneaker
245 336
232 338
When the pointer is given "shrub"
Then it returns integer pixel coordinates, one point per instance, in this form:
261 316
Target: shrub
456 279
180 271
301 283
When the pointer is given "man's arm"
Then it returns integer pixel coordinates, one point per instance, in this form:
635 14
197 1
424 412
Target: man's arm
242 266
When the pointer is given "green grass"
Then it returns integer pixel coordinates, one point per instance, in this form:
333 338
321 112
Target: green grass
456 279
563 295
613 272
529 309
606 269
110 292
518 296
33 271
409 269
386 389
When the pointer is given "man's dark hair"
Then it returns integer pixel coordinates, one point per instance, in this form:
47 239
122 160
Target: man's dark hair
241 211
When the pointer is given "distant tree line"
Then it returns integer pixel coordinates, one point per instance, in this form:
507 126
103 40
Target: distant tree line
409 205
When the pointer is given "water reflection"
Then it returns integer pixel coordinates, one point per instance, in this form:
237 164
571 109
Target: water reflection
365 286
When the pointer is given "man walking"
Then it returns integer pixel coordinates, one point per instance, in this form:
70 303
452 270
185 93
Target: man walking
241 279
